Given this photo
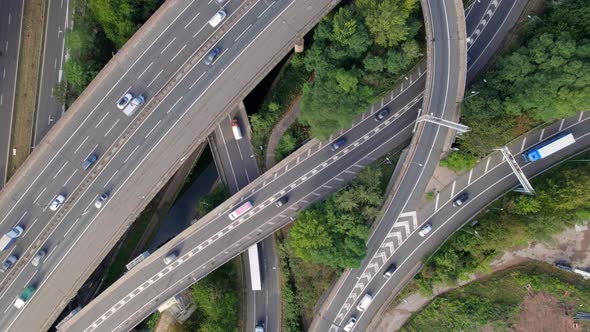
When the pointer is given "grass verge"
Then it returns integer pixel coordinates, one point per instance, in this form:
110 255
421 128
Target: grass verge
27 83
497 301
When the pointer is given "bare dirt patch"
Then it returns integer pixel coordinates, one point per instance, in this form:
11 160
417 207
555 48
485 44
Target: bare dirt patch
541 312
27 82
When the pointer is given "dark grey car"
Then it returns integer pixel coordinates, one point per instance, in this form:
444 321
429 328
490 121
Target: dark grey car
211 56
89 161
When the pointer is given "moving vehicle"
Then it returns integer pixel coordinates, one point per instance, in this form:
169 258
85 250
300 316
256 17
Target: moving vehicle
254 260
389 272
338 144
25 296
460 199
130 109
259 327
8 263
549 147
171 257
57 202
382 114
350 324
211 55
281 201
217 18
235 127
124 101
425 230
89 161
137 260
365 302
240 210
100 200
9 238
39 257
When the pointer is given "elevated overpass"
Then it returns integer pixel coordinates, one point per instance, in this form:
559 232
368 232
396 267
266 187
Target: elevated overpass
185 100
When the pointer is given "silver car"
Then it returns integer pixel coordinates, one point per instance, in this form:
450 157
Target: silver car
57 202
39 257
8 263
100 200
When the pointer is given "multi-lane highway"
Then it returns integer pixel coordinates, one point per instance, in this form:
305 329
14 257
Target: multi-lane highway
305 176
486 182
237 165
486 19
11 14
49 110
445 84
137 155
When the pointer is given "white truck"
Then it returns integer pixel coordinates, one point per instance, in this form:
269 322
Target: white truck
9 238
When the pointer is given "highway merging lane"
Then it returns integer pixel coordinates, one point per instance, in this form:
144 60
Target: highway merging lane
11 14
136 157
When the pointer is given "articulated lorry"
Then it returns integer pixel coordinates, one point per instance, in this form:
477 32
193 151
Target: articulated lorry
9 238
549 147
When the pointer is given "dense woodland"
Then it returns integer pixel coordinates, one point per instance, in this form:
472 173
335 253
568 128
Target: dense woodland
546 79
358 53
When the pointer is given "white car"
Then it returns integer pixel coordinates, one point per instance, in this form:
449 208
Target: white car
100 200
57 202
39 257
124 101
217 18
425 230
350 324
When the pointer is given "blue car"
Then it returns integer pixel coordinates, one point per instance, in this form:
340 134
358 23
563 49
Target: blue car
211 56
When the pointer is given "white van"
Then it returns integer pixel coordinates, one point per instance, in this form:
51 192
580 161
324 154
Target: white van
217 18
235 127
240 210
365 302
130 109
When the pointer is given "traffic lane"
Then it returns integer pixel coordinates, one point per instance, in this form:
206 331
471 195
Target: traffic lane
483 191
236 240
10 32
270 282
49 110
75 120
255 233
86 142
505 16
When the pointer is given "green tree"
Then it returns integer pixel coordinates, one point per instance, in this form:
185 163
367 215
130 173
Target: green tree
458 162
387 20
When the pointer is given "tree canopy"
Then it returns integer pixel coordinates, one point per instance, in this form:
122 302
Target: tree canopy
334 232
353 62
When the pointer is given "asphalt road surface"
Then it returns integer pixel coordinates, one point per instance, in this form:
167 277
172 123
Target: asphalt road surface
305 177
486 182
237 163
48 109
11 14
484 22
138 154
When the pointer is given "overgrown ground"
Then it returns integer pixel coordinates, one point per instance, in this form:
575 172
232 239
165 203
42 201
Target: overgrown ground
508 300
27 82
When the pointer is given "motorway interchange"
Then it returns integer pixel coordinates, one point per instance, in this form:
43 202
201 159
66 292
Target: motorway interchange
135 155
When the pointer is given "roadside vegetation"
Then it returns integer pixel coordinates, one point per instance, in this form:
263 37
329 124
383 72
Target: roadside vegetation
281 96
327 238
562 199
101 27
216 299
358 53
497 301
541 81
